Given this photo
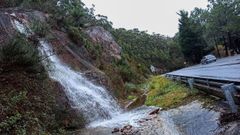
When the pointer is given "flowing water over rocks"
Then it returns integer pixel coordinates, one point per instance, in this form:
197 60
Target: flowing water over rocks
93 101
104 114
191 119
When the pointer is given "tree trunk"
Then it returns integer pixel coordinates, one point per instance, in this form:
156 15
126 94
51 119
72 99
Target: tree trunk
226 47
231 45
219 55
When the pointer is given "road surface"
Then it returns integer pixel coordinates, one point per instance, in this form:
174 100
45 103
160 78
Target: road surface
227 69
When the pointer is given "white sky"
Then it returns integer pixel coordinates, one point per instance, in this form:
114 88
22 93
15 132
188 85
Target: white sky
157 16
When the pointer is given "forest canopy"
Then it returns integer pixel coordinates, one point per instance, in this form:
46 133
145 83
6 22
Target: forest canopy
215 28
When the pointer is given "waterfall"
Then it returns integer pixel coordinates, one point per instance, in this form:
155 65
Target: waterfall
101 110
97 105
93 101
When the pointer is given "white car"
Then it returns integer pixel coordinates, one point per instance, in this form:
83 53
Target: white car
208 59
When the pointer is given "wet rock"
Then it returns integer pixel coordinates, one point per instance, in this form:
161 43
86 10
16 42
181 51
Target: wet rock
99 79
155 112
7 30
94 131
7 17
67 116
115 130
147 119
229 117
230 129
129 130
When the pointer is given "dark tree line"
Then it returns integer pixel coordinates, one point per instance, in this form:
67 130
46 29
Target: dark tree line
149 49
203 30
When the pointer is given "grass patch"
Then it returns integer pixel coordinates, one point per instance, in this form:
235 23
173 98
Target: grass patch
131 97
166 94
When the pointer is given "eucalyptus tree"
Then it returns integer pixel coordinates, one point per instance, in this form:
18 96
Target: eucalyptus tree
223 23
191 36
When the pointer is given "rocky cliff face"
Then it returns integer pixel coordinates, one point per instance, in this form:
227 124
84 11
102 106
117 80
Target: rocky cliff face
74 55
6 29
9 16
99 70
105 39
77 56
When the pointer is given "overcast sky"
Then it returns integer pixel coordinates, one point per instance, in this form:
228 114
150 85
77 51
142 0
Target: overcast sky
157 16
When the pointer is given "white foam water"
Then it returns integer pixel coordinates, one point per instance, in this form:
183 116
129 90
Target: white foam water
93 101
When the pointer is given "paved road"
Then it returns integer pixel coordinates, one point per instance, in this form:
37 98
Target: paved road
223 69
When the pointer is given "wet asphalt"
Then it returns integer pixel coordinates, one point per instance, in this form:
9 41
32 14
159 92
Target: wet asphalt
223 69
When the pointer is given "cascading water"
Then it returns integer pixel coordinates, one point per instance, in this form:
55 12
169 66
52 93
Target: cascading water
93 101
97 105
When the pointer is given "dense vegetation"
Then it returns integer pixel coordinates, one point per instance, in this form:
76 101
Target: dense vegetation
27 97
139 49
215 28
146 49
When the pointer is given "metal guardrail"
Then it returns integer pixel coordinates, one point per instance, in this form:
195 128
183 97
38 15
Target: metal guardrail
216 83
210 86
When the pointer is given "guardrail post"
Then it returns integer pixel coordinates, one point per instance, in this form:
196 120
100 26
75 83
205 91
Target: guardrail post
190 82
229 90
207 83
178 78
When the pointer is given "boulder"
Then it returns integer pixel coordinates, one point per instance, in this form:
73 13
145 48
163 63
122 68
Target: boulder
129 130
115 130
105 39
6 28
230 129
7 16
67 117
156 111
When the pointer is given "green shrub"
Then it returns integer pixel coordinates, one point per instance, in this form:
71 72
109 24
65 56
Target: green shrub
10 3
76 35
126 70
20 54
130 86
42 5
18 98
10 122
81 39
40 28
